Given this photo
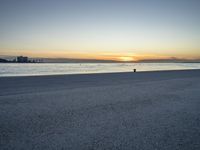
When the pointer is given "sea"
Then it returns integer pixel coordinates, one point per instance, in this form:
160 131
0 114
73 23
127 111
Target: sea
36 69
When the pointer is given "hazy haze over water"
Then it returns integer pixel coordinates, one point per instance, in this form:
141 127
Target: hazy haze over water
12 69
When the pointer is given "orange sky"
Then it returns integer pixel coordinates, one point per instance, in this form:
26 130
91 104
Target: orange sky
117 56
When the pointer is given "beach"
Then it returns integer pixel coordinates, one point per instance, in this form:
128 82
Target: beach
140 111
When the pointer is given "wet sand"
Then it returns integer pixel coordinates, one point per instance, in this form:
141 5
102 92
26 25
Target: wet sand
141 111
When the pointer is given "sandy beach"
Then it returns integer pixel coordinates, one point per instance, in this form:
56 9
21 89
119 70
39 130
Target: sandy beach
140 111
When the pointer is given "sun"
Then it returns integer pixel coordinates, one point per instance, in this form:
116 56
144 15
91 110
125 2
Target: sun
126 58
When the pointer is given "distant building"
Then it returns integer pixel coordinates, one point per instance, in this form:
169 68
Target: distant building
22 59
3 60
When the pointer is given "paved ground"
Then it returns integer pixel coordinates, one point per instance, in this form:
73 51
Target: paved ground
144 111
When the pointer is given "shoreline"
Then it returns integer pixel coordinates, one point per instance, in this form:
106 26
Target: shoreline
21 84
100 73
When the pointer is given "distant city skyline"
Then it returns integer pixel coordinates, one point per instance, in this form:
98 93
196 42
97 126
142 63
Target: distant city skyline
122 30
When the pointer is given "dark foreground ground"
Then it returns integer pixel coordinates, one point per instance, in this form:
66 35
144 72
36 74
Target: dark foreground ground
140 111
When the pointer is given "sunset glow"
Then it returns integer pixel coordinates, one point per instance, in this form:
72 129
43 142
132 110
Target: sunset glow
125 58
107 30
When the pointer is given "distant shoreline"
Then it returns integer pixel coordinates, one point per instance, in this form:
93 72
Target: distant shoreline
87 62
13 59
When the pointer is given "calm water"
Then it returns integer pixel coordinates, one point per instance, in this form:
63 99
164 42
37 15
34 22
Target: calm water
76 68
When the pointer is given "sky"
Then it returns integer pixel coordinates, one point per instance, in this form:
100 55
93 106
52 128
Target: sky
101 29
